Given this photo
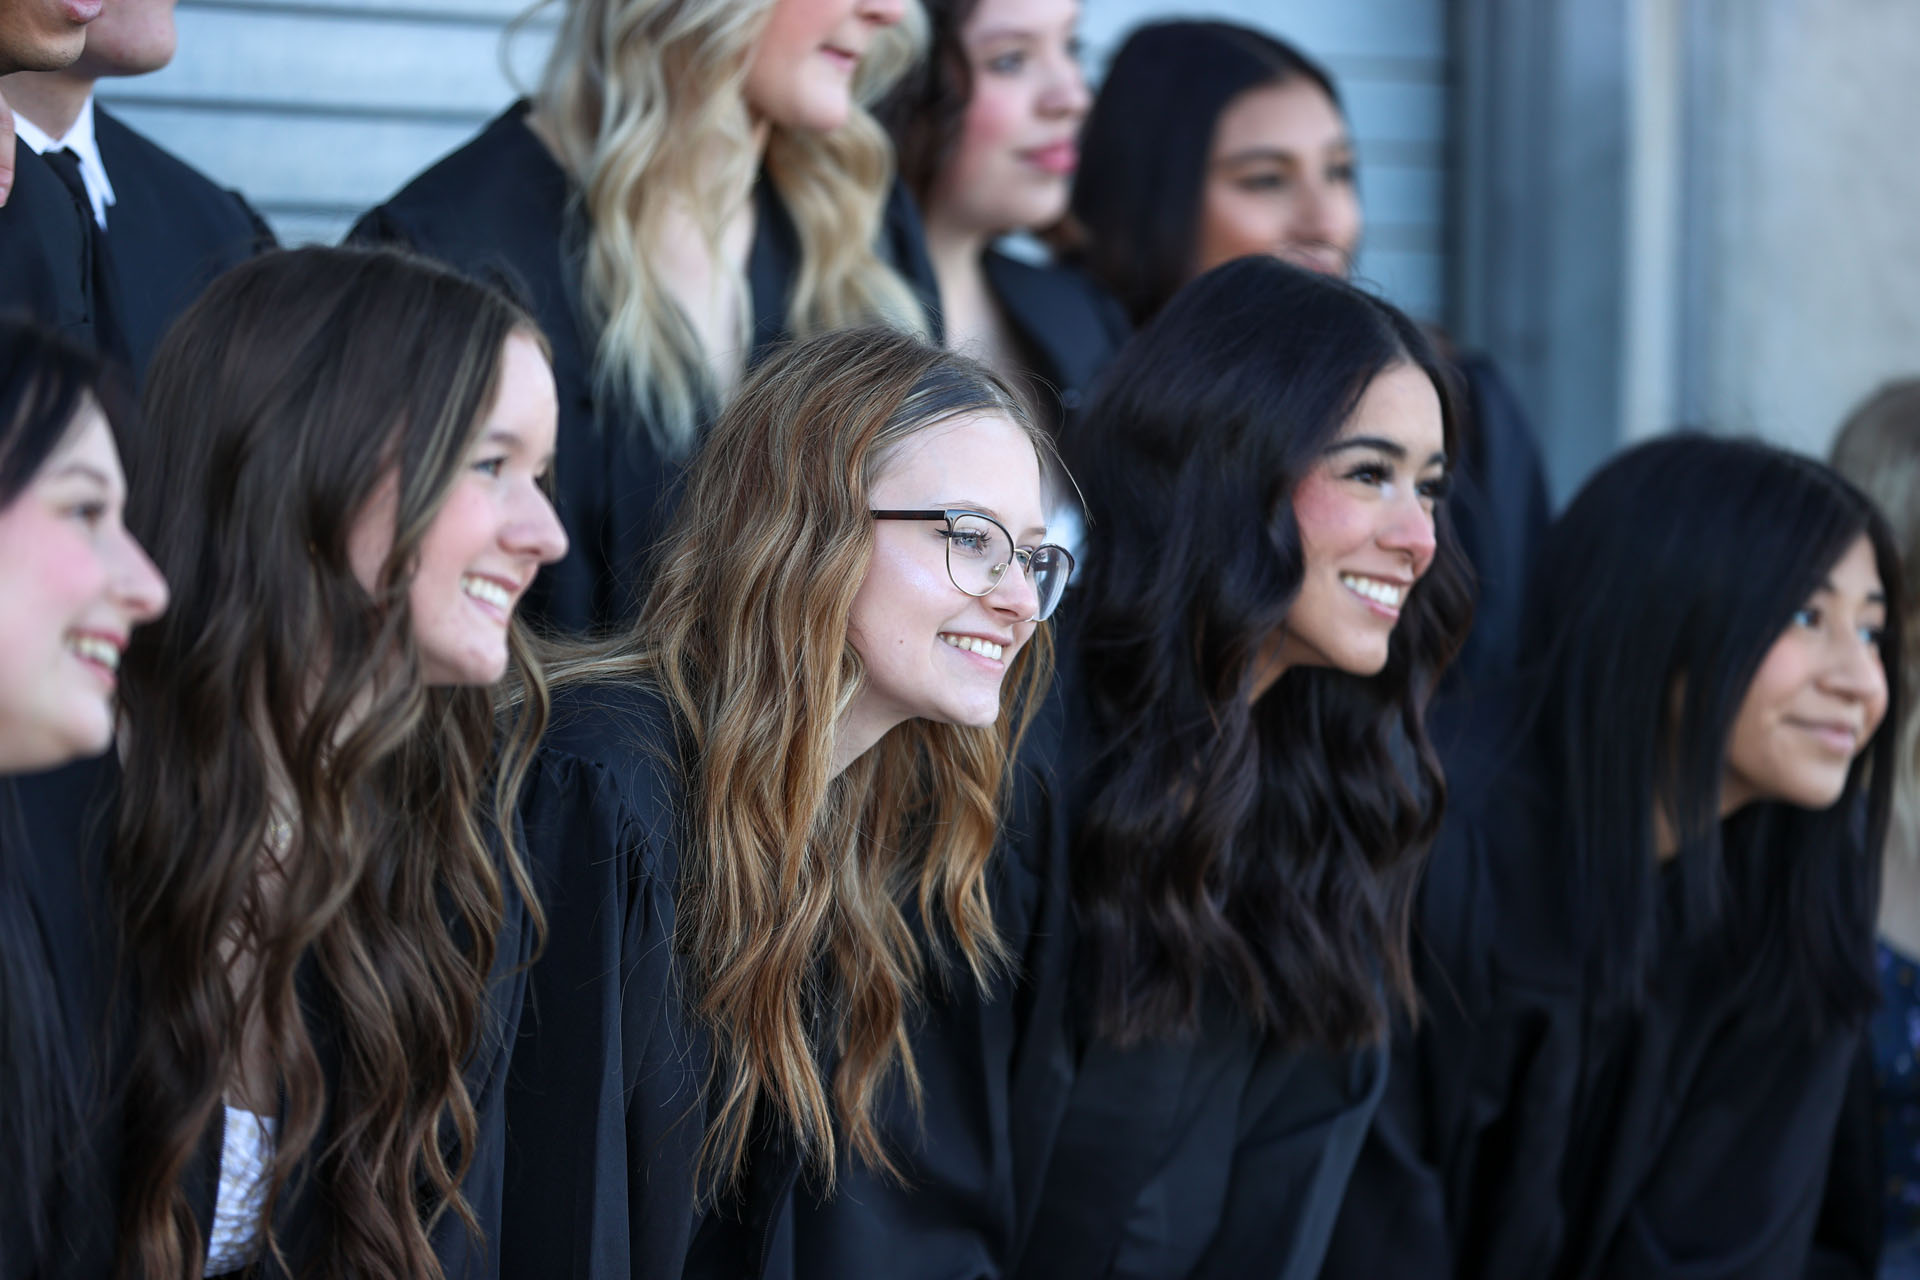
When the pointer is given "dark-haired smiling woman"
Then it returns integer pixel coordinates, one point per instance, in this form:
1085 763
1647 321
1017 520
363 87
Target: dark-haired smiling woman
1210 141
73 586
1646 931
322 912
1271 592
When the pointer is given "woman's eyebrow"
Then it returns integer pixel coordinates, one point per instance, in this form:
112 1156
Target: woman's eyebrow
79 467
1032 530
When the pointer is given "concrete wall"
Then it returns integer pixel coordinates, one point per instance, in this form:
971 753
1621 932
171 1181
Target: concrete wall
1688 212
1812 277
318 109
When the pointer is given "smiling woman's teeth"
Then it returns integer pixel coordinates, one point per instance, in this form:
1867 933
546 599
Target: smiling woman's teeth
1374 589
486 591
974 644
95 649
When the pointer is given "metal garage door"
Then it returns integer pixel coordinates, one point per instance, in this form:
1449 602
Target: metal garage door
317 109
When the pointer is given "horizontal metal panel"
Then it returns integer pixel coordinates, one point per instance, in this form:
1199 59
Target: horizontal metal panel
343 61
340 163
488 12
297 228
1401 193
339 60
1349 28
1413 281
318 109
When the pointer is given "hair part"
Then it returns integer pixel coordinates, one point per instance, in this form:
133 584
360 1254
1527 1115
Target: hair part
645 100
1148 143
792 875
1270 848
1656 597
1878 449
280 403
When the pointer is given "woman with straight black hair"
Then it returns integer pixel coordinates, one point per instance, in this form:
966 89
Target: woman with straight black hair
1210 141
1243 788
1646 932
73 585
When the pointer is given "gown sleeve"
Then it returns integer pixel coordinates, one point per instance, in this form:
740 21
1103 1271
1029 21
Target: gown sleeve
1291 1166
1728 1197
1459 1173
1847 1237
604 1115
991 1066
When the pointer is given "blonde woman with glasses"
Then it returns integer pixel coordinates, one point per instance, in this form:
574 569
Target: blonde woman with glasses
692 181
762 821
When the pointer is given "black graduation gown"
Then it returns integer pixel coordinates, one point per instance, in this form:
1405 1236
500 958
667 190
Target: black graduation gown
500 208
1500 511
171 231
994 1069
1220 1154
1531 1133
1850 1233
56 864
45 251
67 814
607 1109
1067 326
1044 1153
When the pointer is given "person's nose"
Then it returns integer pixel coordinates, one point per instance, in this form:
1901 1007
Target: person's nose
534 531
138 589
1409 531
1066 95
881 13
1014 596
1854 674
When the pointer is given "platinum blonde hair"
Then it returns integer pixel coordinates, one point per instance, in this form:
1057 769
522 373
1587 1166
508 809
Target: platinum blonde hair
1878 449
645 102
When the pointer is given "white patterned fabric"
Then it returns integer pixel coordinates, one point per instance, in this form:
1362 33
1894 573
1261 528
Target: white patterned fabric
246 1155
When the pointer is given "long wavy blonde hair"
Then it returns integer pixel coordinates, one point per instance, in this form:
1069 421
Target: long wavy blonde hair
797 884
644 101
1879 450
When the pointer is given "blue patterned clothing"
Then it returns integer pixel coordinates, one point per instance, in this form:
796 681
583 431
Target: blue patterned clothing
1896 1056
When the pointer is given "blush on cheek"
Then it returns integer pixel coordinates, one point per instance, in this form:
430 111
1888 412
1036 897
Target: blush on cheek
1326 517
993 116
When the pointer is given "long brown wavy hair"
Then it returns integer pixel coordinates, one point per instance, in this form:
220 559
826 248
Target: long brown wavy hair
796 883
278 405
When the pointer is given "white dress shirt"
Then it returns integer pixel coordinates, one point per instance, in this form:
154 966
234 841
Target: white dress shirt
81 141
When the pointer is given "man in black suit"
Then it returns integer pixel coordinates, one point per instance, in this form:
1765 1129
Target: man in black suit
163 229
44 251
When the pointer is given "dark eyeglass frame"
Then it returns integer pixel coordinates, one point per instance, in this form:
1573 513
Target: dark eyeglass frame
1023 555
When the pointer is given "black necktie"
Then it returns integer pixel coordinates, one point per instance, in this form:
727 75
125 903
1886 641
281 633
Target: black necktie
102 283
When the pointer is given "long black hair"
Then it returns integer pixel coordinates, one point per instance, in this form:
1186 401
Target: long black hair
1655 598
1272 847
1146 145
44 381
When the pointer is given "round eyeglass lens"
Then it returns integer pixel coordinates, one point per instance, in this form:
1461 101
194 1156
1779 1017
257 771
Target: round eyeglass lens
978 553
1049 568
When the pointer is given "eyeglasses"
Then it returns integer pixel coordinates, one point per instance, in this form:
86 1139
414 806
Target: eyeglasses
979 549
